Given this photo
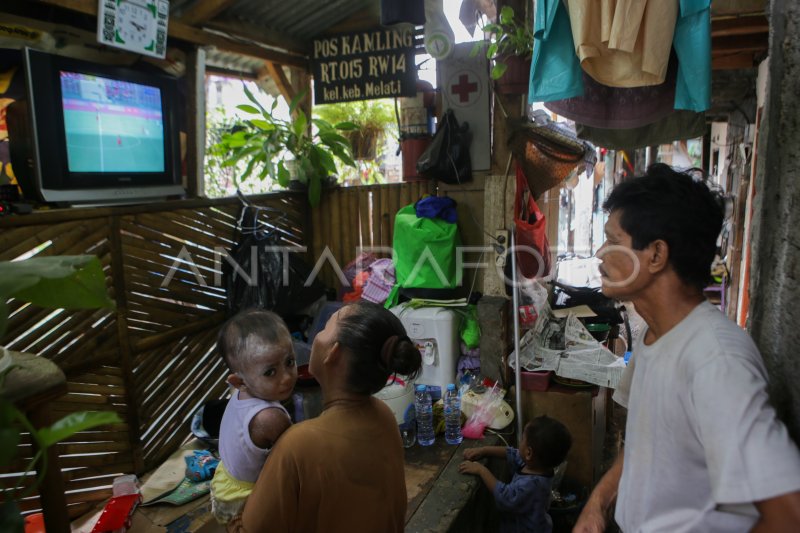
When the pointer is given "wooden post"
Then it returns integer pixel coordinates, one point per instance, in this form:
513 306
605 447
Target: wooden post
125 350
196 123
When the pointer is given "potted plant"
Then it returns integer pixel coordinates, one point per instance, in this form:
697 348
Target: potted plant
266 143
373 120
510 46
74 282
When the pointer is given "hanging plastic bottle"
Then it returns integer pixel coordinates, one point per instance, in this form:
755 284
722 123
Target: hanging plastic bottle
424 409
452 415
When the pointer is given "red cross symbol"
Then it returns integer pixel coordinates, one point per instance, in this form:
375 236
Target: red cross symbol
464 88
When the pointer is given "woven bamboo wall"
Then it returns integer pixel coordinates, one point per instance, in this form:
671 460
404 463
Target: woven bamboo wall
369 211
152 359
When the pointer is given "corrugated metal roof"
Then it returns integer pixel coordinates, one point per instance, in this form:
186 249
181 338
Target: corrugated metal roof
294 24
298 20
303 19
227 63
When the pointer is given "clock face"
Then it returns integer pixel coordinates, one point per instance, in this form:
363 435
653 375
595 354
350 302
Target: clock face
138 26
438 45
134 23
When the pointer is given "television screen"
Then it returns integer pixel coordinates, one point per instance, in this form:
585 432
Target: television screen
94 134
111 125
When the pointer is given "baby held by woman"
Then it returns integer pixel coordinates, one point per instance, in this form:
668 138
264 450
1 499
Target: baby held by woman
257 347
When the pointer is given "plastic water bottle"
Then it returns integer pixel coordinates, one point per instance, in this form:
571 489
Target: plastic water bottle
452 415
424 409
299 412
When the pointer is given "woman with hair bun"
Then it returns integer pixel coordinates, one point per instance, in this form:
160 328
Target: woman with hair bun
344 470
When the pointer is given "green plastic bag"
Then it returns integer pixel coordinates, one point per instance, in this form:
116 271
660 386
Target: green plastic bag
425 255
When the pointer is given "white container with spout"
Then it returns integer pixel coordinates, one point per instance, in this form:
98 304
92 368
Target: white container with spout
434 330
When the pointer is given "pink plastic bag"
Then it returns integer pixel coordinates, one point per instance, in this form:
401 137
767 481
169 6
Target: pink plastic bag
484 414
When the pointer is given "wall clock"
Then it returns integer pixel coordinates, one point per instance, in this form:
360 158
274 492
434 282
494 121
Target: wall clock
439 45
138 26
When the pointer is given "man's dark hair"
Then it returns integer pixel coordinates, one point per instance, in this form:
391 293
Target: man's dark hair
677 208
550 440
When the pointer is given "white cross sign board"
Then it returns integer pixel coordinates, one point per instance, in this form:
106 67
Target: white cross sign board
466 88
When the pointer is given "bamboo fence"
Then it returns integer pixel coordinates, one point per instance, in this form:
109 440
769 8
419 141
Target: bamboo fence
153 359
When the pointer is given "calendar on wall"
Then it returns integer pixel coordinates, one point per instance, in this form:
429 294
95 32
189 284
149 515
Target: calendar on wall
138 26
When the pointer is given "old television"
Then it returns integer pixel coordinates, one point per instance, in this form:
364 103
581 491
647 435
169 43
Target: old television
94 134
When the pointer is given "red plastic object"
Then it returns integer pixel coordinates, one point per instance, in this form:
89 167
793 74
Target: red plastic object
34 523
538 380
412 148
117 514
527 316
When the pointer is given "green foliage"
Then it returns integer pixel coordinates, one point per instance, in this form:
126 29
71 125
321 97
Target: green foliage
374 120
508 36
68 282
73 423
365 114
13 423
264 144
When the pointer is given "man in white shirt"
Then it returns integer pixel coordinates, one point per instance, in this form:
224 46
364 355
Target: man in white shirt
704 451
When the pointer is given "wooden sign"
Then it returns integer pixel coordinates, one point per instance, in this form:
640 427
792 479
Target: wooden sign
365 65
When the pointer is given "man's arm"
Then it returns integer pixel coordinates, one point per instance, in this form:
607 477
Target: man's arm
594 517
779 514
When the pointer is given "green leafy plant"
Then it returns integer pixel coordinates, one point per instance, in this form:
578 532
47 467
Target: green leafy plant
374 120
266 142
68 282
508 36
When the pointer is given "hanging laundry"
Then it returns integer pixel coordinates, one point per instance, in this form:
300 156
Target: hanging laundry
623 43
556 72
676 126
555 69
602 106
692 44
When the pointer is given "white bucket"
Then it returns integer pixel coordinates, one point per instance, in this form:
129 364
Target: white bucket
399 396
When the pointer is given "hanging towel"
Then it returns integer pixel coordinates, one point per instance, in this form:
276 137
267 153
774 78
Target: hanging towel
555 69
692 44
602 106
677 126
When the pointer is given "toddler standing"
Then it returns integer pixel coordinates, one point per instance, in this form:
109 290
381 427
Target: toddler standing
524 501
257 347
